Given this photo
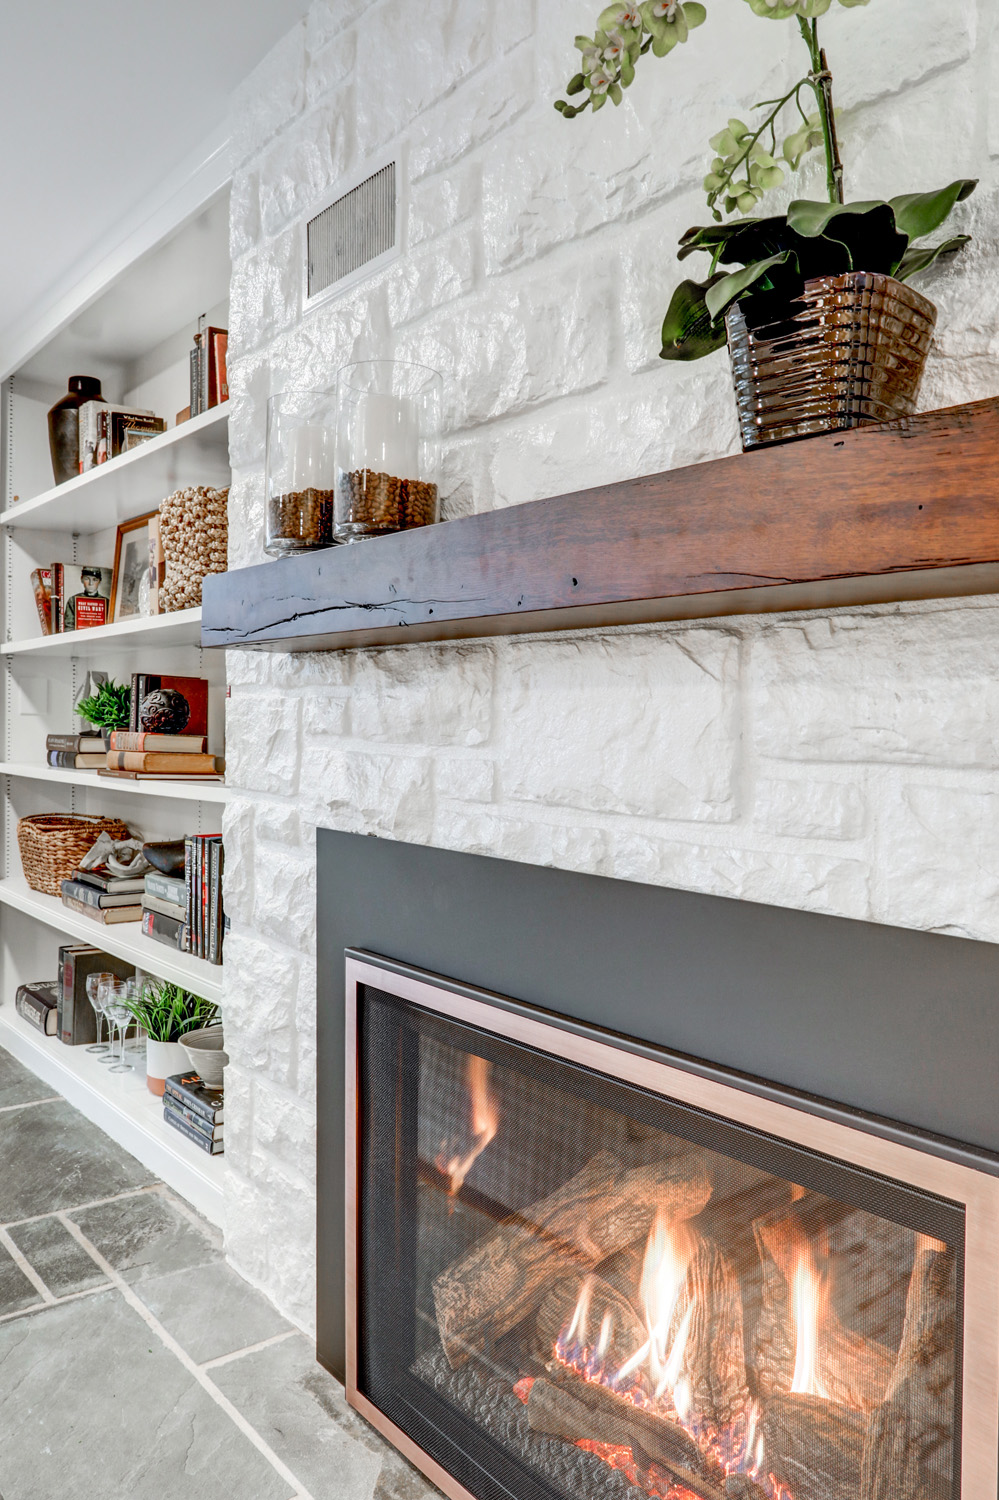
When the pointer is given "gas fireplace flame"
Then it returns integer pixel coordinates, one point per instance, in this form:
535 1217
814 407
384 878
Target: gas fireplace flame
809 1299
484 1113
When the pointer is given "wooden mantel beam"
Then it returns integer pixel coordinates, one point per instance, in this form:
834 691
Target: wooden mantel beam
905 511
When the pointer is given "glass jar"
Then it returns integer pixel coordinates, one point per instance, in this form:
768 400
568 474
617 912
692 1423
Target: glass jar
388 425
300 474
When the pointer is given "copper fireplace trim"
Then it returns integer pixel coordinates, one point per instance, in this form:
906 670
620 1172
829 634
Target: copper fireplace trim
977 1192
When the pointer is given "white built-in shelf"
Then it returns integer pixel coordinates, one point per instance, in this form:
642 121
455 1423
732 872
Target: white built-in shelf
121 1104
196 452
182 628
124 939
181 791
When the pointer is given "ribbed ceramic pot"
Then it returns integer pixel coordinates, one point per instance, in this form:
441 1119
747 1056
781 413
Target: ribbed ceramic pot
163 1060
849 352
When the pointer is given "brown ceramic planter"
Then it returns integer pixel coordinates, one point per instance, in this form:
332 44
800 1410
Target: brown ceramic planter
849 352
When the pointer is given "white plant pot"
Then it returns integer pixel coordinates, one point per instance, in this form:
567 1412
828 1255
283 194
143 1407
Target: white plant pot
163 1060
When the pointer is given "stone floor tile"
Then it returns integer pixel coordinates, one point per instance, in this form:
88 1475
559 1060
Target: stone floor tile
54 1158
210 1310
146 1235
64 1266
18 1085
16 1291
92 1405
301 1412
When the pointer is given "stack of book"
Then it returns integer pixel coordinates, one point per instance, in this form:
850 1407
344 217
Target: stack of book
136 755
195 1110
104 897
76 752
206 920
164 908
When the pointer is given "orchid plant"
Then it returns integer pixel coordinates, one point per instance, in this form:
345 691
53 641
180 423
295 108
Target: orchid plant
776 254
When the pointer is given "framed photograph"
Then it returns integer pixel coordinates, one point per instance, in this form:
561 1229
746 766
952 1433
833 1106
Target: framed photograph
130 591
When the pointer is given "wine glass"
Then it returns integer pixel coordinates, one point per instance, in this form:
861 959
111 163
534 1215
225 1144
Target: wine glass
116 1009
93 986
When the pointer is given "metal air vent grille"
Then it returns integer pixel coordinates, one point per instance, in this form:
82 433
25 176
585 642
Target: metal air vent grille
358 228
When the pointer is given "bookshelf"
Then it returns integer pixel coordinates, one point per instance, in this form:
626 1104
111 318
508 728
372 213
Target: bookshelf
132 326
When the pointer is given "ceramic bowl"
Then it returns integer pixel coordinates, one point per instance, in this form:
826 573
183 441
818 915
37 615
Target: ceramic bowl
204 1051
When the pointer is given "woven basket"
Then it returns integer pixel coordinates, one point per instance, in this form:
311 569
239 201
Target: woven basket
194 536
52 845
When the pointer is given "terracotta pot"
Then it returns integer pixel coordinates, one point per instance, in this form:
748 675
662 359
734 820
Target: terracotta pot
163 1060
849 352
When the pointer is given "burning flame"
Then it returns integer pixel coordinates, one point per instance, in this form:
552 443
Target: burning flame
484 1119
809 1295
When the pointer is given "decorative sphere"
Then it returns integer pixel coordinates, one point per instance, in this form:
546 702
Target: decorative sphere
164 711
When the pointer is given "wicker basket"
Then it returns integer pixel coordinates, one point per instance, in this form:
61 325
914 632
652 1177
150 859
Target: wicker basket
52 845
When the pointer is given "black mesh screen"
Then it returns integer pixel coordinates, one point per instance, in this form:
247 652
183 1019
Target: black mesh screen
573 1287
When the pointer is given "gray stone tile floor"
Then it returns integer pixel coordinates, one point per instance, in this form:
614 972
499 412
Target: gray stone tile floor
134 1362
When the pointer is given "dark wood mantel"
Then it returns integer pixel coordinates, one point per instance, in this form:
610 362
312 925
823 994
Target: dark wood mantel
906 511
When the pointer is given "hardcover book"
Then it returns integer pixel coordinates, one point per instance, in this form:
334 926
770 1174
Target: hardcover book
152 760
70 760
91 895
107 915
81 744
77 1024
163 929
169 705
177 744
38 1004
190 1117
166 887
91 414
214 1148
41 583
81 595
158 775
189 1090
174 909
115 885
115 425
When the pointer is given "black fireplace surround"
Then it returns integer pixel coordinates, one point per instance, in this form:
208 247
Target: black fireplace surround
847 1023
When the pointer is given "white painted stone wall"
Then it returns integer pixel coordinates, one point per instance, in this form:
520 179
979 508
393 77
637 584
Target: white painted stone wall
843 763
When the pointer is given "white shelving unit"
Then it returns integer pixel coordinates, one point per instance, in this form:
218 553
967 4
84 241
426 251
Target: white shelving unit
133 330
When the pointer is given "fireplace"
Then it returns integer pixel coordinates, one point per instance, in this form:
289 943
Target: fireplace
578 1268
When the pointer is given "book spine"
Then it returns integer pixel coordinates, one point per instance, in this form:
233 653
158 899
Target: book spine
33 1009
202 896
65 743
213 885
58 580
89 894
164 908
42 586
66 992
189 890
214 1148
197 1122
184 1100
220 346
133 704
196 377
164 929
166 888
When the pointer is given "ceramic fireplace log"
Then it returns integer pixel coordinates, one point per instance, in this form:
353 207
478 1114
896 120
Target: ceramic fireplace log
578 1411
603 1208
909 1448
813 1446
714 1359
854 1370
558 1307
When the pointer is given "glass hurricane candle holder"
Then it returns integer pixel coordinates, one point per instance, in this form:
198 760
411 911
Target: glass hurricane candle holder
388 425
300 474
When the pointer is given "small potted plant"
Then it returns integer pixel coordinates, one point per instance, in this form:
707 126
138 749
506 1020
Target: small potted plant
823 330
108 708
167 1013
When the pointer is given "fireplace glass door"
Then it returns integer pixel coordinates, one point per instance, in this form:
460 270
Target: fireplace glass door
571 1285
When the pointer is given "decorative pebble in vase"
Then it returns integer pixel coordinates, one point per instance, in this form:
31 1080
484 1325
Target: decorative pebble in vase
299 473
388 420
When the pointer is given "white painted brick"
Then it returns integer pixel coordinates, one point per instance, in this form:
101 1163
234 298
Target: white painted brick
285 1127
432 278
238 1118
262 742
884 50
325 714
306 162
327 19
327 69
266 292
284 889
361 793
277 823
809 809
244 212
440 203
599 741
472 116
259 1029
467 780
237 875
437 695
940 865
271 96
917 687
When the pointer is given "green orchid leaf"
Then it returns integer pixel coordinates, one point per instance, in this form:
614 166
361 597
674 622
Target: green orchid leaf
597 101
615 93
693 14
921 257
917 214
627 71
663 42
866 231
728 287
576 84
689 331
812 219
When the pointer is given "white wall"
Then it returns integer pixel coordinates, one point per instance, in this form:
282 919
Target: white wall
843 763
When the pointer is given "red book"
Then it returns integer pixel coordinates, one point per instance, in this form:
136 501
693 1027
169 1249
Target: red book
169 705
